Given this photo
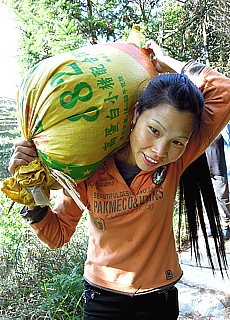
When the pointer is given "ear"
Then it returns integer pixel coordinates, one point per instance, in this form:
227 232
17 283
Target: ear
135 113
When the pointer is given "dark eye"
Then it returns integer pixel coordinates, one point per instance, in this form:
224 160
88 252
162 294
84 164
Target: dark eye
178 143
155 131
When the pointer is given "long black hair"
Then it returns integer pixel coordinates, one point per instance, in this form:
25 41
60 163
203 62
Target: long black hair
196 197
196 193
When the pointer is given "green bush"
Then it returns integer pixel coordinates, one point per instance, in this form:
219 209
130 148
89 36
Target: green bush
36 282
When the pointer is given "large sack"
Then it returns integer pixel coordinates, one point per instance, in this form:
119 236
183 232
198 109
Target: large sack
76 106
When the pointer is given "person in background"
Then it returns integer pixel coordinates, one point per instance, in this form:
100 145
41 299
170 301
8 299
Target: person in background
132 264
226 135
217 165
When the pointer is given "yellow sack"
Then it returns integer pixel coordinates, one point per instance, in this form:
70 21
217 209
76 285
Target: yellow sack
76 106
30 184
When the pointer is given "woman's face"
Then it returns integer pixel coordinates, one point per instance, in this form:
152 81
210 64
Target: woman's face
159 136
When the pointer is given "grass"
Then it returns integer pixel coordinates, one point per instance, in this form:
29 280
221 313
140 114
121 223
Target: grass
36 282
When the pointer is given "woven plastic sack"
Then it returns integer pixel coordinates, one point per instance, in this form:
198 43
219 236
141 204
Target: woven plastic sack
76 106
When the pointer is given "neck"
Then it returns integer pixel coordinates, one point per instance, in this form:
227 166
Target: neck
123 153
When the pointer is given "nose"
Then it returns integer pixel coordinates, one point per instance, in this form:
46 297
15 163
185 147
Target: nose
160 149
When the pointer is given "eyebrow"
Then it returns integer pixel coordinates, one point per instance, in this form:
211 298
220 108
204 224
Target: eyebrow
181 137
159 124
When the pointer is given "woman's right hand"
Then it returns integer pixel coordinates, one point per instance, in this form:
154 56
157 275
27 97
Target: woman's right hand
24 153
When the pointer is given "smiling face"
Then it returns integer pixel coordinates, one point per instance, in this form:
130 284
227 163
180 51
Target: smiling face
159 136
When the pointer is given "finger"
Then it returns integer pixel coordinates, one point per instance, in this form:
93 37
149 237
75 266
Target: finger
23 151
19 159
24 143
13 164
156 65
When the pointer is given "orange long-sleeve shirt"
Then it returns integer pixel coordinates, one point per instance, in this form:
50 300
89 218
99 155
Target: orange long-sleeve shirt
131 241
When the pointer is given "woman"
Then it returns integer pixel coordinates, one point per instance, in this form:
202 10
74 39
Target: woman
132 263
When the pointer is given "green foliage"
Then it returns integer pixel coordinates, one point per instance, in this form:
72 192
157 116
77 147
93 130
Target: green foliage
35 281
187 29
198 30
9 133
64 290
50 27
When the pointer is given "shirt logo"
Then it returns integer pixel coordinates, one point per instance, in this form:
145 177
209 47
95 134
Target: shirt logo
99 223
159 175
168 274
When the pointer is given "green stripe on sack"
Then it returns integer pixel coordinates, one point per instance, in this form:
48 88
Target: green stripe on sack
75 171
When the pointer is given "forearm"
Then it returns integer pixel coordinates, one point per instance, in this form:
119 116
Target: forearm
191 68
45 224
54 227
172 65
214 87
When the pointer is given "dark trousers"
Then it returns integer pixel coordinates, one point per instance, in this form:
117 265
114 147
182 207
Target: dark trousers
101 304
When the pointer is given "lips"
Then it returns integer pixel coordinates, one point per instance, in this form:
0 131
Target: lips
150 161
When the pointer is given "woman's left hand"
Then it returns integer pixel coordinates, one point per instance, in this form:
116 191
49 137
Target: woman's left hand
162 62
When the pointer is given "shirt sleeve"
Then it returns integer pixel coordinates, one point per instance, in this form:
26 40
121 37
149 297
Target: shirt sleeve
59 224
215 89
